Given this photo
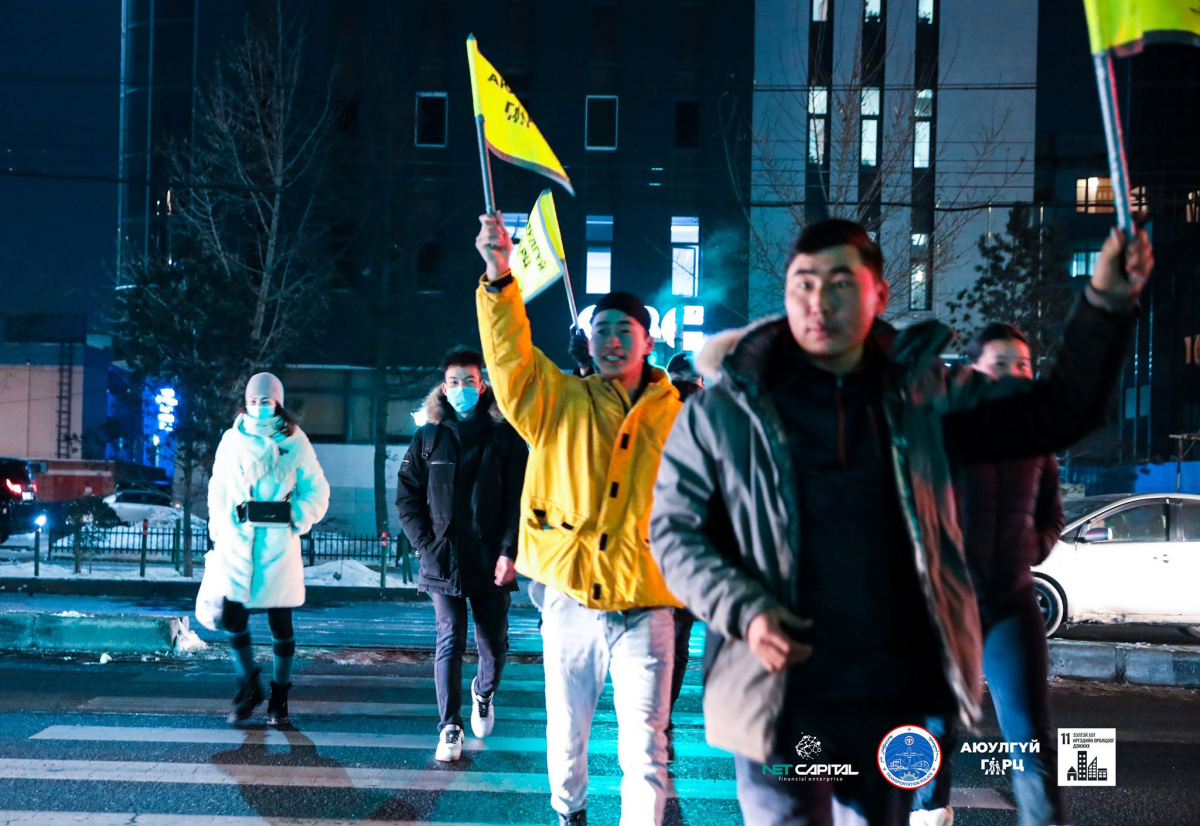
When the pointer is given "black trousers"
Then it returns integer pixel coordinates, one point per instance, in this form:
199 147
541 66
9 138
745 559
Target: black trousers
491 638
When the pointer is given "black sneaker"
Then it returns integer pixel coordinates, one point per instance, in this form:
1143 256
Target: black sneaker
277 709
573 819
249 695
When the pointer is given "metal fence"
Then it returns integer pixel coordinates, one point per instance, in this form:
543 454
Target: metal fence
161 545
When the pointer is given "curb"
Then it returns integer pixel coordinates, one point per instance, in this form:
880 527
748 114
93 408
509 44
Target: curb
1133 663
318 594
119 634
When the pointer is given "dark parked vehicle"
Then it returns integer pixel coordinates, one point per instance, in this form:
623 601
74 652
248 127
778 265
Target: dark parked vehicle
18 497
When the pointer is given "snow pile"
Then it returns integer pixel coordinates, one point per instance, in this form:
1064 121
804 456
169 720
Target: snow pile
71 614
350 573
188 642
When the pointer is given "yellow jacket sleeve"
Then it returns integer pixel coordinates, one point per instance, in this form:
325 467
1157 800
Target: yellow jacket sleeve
530 389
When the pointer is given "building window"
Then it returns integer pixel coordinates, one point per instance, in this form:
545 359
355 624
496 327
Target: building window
433 29
818 120
599 253
920 239
872 10
922 128
687 124
429 268
924 11
1094 195
600 122
685 256
870 127
515 223
919 292
604 33
1137 199
431 119
690 38
820 11
1083 263
1193 208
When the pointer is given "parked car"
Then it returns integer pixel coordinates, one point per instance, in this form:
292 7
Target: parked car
1131 558
18 497
134 506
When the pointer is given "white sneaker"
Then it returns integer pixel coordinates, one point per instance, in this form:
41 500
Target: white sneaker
449 745
932 817
483 714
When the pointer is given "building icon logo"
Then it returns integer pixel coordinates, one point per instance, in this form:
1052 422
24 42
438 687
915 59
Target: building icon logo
909 757
1087 757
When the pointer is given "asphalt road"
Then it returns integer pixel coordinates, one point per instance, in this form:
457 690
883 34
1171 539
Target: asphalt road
149 738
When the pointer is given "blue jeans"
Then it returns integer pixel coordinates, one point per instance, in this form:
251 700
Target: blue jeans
1014 662
491 638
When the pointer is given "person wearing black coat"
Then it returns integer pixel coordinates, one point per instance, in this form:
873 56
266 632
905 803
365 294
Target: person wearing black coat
1013 517
459 497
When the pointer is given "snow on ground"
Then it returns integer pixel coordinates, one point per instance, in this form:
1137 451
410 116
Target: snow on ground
343 573
188 642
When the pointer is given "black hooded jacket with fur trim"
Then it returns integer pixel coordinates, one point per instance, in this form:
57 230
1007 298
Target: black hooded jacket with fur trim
460 502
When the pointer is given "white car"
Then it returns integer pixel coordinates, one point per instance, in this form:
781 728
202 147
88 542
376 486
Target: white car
1124 559
134 506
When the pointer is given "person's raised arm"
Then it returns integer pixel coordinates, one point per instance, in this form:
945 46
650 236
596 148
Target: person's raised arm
529 387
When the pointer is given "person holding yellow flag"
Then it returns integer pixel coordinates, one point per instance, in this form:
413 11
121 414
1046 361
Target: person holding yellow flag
595 445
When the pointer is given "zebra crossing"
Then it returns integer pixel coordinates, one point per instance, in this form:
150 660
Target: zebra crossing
137 744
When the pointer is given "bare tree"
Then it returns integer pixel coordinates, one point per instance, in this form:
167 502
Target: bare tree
811 125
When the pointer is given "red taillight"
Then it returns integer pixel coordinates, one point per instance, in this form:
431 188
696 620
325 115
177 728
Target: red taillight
13 487
35 486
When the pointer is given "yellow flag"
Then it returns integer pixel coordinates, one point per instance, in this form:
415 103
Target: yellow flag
507 128
539 260
1126 25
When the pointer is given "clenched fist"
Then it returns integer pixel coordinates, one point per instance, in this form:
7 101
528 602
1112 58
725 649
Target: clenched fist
494 245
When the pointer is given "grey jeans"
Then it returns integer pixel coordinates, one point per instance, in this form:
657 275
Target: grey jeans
580 647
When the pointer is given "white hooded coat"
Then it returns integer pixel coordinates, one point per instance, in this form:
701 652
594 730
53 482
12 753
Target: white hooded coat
262 567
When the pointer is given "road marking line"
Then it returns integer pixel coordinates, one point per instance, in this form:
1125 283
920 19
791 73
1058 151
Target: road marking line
327 739
43 818
208 705
443 780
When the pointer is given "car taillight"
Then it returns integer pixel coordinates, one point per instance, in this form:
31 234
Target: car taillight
35 486
13 487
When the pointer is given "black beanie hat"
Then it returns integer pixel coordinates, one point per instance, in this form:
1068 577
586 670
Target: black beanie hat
679 363
627 303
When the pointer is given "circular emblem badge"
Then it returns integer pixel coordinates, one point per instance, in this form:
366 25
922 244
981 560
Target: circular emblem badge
909 757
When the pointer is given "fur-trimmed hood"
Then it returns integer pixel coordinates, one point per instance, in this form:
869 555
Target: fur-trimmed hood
437 407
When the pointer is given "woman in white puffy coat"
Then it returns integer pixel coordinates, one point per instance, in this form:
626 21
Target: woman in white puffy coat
264 457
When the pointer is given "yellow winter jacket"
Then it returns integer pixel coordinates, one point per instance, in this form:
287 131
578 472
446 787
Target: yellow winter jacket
585 509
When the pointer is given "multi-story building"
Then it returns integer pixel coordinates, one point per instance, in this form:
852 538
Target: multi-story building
914 117
645 104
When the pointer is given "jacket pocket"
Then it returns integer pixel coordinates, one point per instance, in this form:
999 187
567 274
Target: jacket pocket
435 560
441 495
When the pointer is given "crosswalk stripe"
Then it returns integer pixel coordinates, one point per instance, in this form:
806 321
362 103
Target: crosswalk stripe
207 705
41 818
328 739
506 685
122 771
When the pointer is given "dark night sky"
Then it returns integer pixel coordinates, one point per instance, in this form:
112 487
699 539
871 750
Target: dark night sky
59 99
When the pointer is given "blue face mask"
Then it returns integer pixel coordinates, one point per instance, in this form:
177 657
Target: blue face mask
260 411
463 399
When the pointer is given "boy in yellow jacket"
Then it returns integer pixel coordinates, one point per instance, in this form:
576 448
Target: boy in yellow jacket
585 511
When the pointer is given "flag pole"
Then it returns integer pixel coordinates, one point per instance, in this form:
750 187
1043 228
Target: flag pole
485 161
1118 169
570 294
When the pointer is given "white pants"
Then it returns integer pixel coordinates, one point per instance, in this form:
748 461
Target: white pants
580 646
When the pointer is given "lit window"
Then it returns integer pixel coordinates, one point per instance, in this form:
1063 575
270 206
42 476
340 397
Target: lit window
924 104
599 253
873 10
685 230
820 10
1193 208
515 223
921 134
818 120
431 119
924 11
693 340
1094 195
599 270
920 239
1083 264
869 152
685 255
1137 198
600 122
918 285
